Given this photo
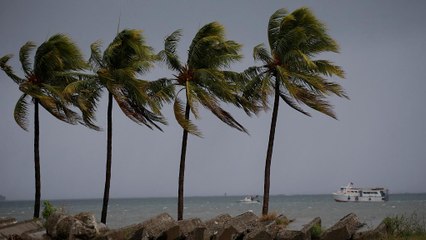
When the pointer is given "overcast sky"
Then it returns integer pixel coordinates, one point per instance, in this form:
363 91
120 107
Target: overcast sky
379 139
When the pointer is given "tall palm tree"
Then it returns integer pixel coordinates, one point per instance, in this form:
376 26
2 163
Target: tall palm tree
291 73
55 62
117 70
204 81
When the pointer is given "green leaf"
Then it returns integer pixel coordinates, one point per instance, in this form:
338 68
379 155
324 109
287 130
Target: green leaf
21 112
183 122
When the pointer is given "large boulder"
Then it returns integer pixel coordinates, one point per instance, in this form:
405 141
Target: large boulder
132 232
371 232
215 225
4 221
85 227
162 226
192 229
343 229
243 224
16 230
51 223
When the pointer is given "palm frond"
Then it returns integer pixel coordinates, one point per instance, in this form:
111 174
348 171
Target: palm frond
212 104
262 54
183 122
169 54
85 95
128 50
24 55
8 69
58 54
21 112
208 30
287 99
274 26
95 59
131 105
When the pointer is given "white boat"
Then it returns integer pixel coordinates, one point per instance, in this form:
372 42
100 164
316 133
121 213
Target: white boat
250 199
355 194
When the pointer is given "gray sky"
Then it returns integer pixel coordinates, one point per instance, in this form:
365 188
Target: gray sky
379 139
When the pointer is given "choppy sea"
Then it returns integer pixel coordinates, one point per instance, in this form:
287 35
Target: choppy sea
124 212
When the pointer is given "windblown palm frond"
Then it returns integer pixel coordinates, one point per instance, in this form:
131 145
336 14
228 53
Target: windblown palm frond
204 76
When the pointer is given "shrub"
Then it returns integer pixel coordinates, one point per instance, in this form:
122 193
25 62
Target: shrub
402 226
48 210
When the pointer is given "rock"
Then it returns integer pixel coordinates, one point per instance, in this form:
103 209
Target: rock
85 227
343 229
286 234
366 232
162 226
5 221
309 228
259 234
51 223
214 225
192 229
63 227
35 235
132 232
14 231
243 224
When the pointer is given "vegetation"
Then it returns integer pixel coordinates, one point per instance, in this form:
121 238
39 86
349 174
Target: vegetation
48 209
53 69
316 231
204 81
291 73
403 227
60 79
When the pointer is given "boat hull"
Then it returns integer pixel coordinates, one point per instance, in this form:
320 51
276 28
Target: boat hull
354 198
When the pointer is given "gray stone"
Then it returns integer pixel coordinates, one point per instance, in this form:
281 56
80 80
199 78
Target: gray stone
343 229
286 234
192 229
17 229
214 225
259 233
368 232
132 232
162 226
52 221
243 224
85 227
63 227
5 221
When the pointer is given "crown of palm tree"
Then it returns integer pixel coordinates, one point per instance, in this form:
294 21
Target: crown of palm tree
295 39
117 70
55 63
203 77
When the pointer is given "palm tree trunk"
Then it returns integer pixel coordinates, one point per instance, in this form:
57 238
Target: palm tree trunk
267 181
37 161
182 166
108 161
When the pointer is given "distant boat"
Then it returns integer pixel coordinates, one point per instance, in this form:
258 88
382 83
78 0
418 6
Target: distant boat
355 194
2 198
250 199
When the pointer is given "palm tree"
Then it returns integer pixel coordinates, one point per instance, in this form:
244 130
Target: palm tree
116 71
54 64
291 73
204 81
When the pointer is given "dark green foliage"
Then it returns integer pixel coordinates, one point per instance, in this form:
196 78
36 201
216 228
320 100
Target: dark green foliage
48 209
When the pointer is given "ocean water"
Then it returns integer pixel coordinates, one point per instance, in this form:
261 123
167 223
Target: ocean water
124 212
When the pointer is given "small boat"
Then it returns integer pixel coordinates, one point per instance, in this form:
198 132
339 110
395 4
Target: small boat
355 194
250 199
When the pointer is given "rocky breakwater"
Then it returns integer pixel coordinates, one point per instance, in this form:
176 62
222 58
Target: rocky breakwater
246 226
